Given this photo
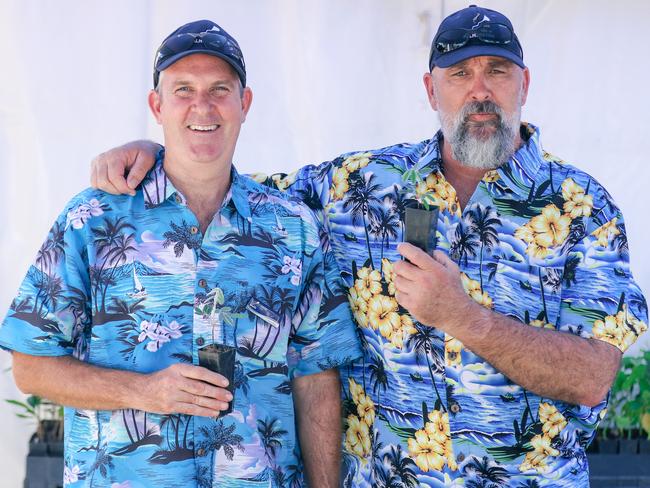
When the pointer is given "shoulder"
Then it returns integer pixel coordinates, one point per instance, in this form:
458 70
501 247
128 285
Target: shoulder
403 150
575 185
91 205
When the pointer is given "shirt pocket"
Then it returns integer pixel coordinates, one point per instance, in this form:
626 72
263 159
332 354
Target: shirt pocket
262 333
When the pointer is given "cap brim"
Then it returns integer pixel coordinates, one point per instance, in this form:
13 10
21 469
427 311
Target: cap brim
466 52
171 60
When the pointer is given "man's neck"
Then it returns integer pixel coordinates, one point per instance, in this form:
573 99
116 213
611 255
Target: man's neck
204 186
463 178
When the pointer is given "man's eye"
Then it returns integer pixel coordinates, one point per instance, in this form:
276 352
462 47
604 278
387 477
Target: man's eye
459 73
183 89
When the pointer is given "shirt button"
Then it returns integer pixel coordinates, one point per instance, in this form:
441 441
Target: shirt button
178 199
454 407
200 452
203 283
454 207
455 256
200 341
194 229
460 458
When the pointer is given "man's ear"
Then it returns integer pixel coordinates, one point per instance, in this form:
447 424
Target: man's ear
246 101
431 91
525 84
154 100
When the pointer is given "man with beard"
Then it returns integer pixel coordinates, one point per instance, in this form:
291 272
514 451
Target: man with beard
489 361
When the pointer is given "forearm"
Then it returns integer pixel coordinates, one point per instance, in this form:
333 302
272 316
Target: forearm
317 401
68 381
550 363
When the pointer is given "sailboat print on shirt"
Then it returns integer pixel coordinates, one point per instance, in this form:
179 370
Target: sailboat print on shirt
138 290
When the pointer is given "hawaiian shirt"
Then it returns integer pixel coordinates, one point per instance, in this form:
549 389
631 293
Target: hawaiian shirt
131 283
539 241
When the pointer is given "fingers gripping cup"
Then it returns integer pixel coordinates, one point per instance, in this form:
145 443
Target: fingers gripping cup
220 358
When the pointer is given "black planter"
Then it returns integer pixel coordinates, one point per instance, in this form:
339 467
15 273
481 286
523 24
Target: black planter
44 465
644 446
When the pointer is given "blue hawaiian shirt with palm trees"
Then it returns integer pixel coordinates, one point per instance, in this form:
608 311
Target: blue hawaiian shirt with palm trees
539 241
132 283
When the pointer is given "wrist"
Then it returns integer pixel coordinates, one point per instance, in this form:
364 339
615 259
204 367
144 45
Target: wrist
133 390
470 322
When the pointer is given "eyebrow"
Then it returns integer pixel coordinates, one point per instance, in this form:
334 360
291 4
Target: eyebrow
500 62
492 62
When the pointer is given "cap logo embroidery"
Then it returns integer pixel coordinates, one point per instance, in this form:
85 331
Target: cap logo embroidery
477 24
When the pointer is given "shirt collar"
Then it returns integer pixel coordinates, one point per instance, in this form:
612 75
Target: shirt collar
157 188
520 173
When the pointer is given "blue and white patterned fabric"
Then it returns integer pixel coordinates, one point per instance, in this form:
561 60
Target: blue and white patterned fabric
539 241
131 283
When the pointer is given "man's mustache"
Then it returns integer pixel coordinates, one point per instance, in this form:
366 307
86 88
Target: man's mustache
487 107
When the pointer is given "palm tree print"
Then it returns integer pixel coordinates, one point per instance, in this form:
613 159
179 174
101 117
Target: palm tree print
422 343
484 222
398 203
271 435
363 202
218 436
384 225
52 249
113 246
182 236
485 472
378 376
463 243
103 462
403 467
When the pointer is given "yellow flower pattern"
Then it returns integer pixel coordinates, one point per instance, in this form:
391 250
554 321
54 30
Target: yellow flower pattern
431 447
374 310
576 203
552 424
357 435
473 289
605 232
620 330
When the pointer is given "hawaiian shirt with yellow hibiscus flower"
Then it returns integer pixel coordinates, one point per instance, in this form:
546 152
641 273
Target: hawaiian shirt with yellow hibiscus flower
539 241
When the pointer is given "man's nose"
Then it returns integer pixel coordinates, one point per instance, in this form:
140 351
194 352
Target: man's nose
204 102
480 90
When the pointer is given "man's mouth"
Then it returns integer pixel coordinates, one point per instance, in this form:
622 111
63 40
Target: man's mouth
203 128
482 116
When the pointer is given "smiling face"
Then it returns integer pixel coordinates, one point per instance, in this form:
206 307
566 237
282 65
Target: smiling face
479 104
201 106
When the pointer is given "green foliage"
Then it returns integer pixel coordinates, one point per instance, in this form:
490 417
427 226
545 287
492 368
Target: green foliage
630 397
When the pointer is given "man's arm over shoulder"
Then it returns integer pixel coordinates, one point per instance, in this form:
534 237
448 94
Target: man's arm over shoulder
121 169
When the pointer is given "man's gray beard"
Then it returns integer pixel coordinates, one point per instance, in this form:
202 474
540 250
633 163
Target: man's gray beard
488 150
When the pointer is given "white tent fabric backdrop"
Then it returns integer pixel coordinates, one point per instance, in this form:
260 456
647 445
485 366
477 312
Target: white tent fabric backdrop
329 76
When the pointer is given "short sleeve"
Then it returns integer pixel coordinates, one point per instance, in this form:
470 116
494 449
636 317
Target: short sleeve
311 184
325 335
51 309
600 298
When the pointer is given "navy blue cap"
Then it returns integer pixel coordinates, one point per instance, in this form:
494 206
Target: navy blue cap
474 31
200 36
